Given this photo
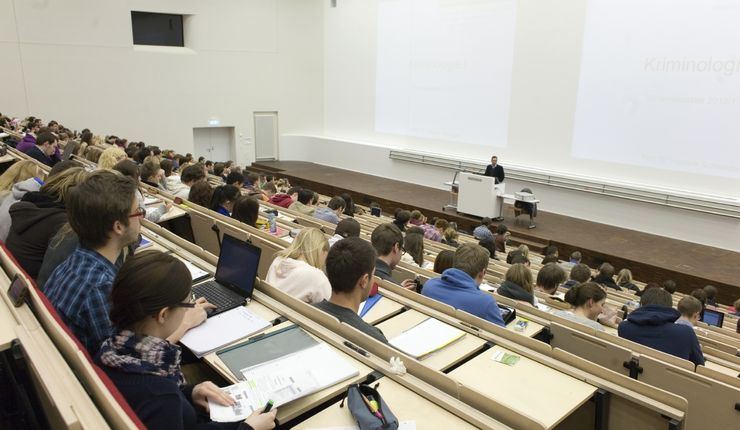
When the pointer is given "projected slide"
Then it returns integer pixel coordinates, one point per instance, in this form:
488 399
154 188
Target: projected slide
444 69
660 85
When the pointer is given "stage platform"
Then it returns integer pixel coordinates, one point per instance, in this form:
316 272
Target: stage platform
651 258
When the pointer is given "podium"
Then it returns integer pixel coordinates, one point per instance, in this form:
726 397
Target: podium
480 195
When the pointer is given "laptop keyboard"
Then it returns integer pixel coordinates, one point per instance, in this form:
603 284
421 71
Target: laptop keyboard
215 294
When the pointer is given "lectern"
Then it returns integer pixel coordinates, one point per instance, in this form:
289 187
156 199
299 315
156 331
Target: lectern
480 195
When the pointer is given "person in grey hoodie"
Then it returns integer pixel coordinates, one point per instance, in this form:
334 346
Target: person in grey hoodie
15 195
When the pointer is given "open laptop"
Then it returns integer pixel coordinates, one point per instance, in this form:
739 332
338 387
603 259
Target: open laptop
235 276
68 149
714 318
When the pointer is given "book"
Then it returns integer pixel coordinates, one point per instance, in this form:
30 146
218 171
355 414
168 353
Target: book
284 380
223 329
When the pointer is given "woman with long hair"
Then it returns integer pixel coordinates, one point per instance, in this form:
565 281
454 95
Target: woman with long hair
298 270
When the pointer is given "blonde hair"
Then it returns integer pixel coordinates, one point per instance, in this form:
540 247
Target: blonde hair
19 171
59 184
524 249
307 246
520 275
624 276
110 157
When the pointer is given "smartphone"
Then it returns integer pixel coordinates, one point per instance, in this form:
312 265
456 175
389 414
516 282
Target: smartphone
18 291
375 212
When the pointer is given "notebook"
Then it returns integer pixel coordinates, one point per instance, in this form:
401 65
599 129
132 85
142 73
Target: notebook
426 337
283 380
223 329
235 277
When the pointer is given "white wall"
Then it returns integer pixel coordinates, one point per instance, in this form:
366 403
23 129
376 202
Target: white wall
706 229
74 61
547 52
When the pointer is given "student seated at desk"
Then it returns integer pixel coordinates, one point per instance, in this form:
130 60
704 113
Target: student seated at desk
690 309
413 243
223 199
150 301
350 267
348 227
549 277
518 284
387 240
459 285
246 209
303 204
652 325
331 212
579 274
298 270
443 261
131 169
19 179
588 301
201 194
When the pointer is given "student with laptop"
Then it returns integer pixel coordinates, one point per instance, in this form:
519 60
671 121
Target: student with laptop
150 300
350 267
690 308
652 325
234 281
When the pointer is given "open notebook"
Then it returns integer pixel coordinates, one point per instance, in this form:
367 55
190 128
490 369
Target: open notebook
222 329
283 380
426 337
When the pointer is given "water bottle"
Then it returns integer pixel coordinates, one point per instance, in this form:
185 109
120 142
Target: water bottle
272 221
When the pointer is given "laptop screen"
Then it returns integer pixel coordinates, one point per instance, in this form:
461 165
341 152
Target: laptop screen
237 265
713 317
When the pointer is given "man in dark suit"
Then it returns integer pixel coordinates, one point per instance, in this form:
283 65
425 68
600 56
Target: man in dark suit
495 170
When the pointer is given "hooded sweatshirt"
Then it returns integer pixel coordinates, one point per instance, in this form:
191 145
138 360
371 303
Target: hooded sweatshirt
283 200
34 221
457 289
176 187
15 194
299 279
653 326
514 291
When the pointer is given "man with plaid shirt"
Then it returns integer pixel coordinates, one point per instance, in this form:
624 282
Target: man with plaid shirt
104 213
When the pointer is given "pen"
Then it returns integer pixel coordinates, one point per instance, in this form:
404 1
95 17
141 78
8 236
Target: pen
373 408
268 406
356 348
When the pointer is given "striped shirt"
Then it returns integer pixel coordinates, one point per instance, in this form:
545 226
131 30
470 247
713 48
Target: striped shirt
79 289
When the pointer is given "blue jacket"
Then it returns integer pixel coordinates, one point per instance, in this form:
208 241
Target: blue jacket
326 214
457 289
653 326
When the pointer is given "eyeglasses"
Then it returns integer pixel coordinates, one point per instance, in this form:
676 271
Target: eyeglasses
140 213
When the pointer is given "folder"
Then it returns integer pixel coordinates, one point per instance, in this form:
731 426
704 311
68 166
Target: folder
426 337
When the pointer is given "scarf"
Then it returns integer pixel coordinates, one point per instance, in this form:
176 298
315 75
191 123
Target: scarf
148 355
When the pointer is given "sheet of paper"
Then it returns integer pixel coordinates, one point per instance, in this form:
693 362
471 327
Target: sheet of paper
485 287
543 307
223 329
291 377
195 271
151 200
402 425
426 337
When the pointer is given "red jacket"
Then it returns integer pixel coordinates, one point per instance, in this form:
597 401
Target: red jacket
282 200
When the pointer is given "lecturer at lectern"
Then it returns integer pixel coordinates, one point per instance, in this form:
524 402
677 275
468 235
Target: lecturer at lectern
495 170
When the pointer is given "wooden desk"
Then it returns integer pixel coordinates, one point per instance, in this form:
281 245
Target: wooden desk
519 386
174 212
439 360
405 404
384 309
7 325
305 404
532 328
709 363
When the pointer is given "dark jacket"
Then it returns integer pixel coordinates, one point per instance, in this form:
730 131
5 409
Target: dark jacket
630 286
607 282
383 271
34 221
570 283
514 291
653 326
39 155
161 404
497 172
